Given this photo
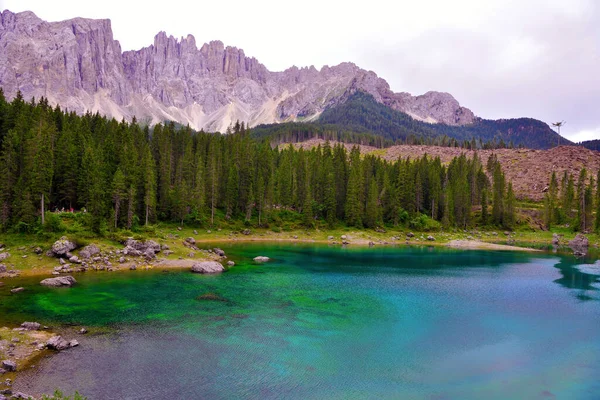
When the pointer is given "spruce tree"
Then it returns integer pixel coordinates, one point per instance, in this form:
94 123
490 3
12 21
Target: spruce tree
354 209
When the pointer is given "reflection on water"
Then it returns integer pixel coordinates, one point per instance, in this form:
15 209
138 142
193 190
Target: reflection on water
320 322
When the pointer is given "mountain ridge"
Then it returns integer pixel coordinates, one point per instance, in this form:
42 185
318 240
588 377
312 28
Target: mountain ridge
78 64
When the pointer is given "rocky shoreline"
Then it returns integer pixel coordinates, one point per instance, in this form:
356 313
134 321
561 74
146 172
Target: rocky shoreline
21 347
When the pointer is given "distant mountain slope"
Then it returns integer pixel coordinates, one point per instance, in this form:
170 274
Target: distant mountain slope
361 119
361 113
591 144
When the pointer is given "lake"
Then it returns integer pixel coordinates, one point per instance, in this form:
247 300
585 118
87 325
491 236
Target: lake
320 322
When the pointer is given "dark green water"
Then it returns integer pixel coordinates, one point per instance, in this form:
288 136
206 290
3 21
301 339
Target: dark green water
329 323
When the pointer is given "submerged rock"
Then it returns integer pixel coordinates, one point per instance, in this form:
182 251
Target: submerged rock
261 259
207 267
60 281
17 290
211 297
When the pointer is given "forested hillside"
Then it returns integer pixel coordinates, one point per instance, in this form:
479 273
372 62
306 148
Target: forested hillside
125 176
361 113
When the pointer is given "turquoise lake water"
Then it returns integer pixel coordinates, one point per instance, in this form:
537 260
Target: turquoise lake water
321 322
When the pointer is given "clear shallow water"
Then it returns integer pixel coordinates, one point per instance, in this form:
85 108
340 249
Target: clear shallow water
320 322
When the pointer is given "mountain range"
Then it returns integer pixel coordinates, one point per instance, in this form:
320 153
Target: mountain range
78 64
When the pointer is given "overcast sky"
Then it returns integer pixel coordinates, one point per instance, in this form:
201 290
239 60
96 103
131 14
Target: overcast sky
500 58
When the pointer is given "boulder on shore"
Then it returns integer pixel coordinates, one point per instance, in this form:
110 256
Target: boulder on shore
555 239
31 326
261 259
148 248
579 245
59 281
63 246
9 366
219 252
207 267
89 251
58 343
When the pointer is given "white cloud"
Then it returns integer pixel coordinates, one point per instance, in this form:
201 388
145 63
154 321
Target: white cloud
586 134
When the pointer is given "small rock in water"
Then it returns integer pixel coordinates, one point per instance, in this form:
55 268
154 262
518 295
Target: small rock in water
230 263
17 290
261 259
207 267
67 281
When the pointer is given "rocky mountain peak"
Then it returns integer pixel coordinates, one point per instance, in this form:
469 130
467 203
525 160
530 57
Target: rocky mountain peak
79 64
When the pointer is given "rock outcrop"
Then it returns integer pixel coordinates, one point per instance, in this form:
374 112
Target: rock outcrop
79 64
207 267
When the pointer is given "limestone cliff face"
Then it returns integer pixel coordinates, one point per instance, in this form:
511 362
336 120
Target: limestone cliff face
78 64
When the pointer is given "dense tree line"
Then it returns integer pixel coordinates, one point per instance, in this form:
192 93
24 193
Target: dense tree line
125 176
573 203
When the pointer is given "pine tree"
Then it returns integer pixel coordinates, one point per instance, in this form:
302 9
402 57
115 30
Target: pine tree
373 210
354 209
484 208
510 210
118 193
499 195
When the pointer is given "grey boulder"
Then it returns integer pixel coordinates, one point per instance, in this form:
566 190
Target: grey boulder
62 246
31 326
9 366
207 267
59 281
